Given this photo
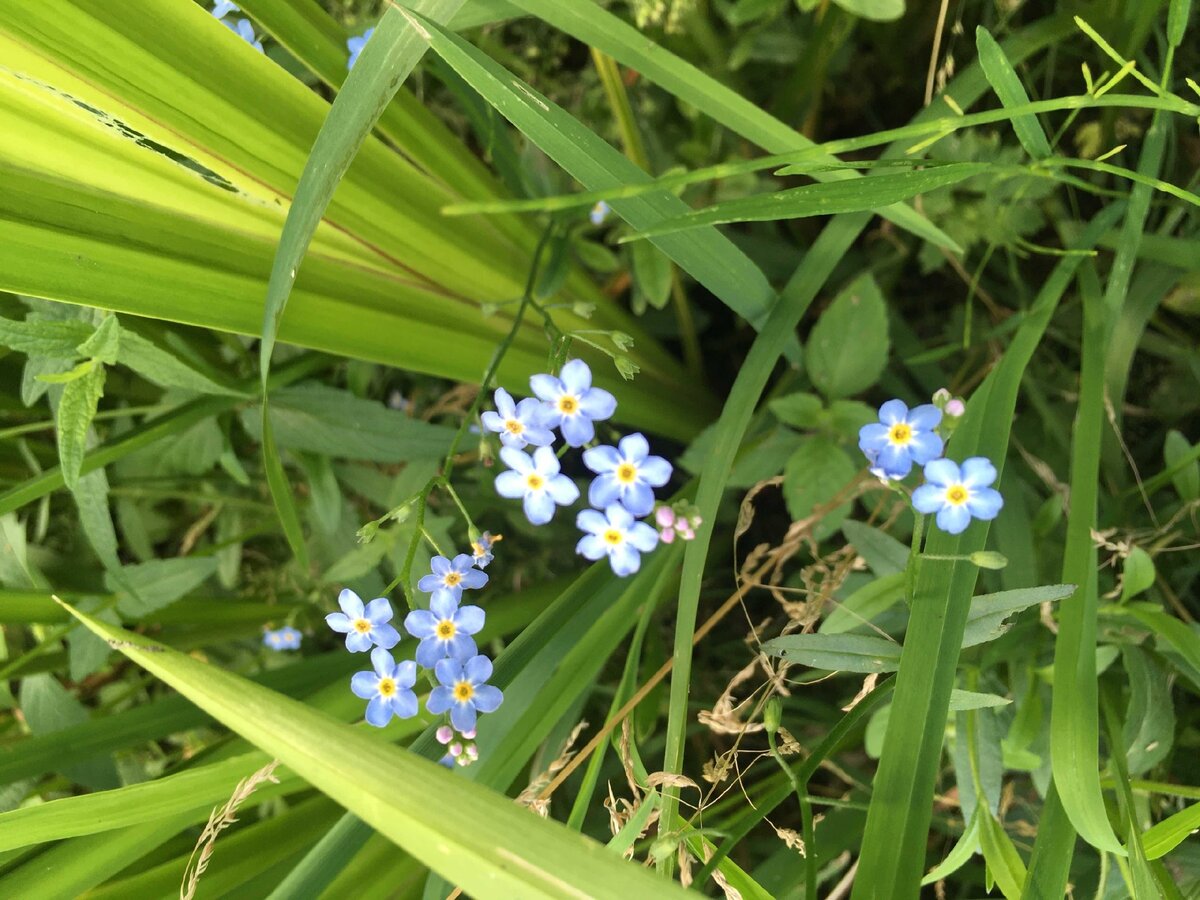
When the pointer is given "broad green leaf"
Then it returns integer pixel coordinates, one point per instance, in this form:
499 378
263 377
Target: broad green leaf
821 199
798 410
1007 85
848 347
965 700
815 474
145 587
1137 574
864 604
87 653
988 613
883 553
39 337
652 274
875 10
76 409
1149 732
1163 837
326 859
1177 20
501 850
317 418
836 652
104 344
1002 858
164 368
1185 472
47 708
91 500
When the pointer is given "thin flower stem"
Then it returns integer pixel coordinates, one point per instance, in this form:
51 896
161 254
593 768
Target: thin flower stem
806 819
472 531
914 558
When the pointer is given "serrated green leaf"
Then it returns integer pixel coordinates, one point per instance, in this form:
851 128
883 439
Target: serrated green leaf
91 499
76 409
39 337
848 347
73 374
105 343
814 475
499 851
146 587
163 368
798 410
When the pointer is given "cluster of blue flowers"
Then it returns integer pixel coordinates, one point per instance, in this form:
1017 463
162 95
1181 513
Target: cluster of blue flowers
445 632
285 638
239 26
622 491
955 493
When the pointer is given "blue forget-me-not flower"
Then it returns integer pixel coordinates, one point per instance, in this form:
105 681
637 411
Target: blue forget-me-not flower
571 403
900 438
463 691
222 8
449 577
482 548
537 480
518 424
388 689
618 535
364 626
599 213
355 45
444 629
286 638
626 473
958 494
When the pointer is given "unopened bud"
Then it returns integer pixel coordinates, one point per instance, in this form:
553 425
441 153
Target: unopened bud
988 559
772 713
445 734
955 408
941 397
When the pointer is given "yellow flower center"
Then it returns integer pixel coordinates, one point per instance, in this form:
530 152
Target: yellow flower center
535 481
957 495
568 405
612 536
362 626
626 473
900 433
451 578
463 691
387 687
446 629
513 426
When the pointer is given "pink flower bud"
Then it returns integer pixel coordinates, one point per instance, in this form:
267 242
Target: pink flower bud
463 761
445 734
697 521
667 536
665 517
472 751
955 408
455 749
685 532
468 735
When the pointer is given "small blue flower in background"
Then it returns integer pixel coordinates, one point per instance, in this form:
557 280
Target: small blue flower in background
243 29
518 424
537 480
463 691
571 403
222 8
364 626
958 494
618 535
286 638
355 45
482 548
599 213
388 688
444 629
626 473
450 577
900 438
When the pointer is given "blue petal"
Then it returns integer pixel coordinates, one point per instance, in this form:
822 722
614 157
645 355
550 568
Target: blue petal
504 403
443 605
598 404
546 462
462 716
339 622
953 519
929 498
546 387
386 636
383 662
429 651
655 470
618 516
634 447
563 490
448 671
577 430
539 507
642 536
364 685
439 565
404 704
405 673
440 700
942 472
591 520
473 579
591 546
469 620
358 643
894 460
529 411
538 437
873 437
478 669
515 441
603 490
576 376
350 603
462 562
379 712
601 459
892 412
448 595
517 460
493 422
978 472
378 611
625 560
985 503
461 647
925 446
508 484
487 698
925 417
638 498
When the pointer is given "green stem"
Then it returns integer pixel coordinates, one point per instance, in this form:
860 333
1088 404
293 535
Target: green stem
914 558
806 819
472 531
